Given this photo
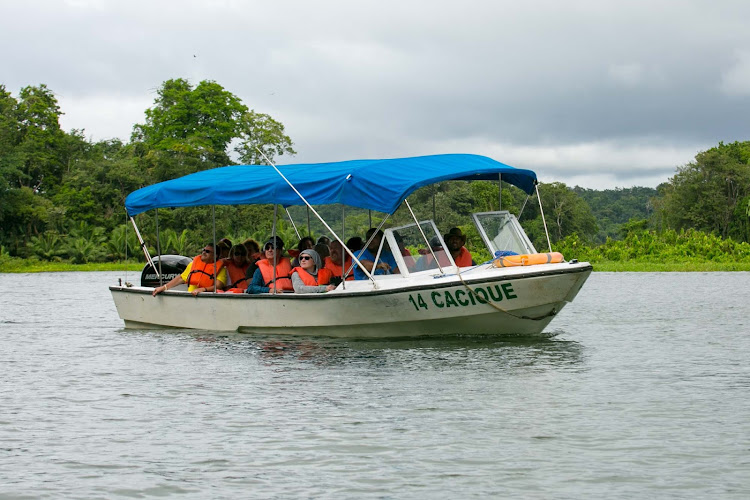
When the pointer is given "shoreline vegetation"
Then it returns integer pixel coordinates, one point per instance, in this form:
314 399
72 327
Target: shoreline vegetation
640 250
62 195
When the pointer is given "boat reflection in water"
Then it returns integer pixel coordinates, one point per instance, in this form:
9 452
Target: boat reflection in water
507 352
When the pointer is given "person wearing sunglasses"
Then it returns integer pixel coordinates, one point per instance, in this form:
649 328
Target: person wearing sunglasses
264 276
201 275
310 276
237 265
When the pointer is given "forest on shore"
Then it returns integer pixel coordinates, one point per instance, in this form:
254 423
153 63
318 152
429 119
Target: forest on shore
62 195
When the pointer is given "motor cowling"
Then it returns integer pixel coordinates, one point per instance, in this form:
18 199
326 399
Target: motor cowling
171 266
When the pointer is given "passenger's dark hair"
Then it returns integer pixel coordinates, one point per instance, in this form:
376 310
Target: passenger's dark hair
239 250
322 250
275 242
252 246
301 245
372 231
355 243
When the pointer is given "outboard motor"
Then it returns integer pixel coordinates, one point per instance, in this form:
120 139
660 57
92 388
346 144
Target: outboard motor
171 266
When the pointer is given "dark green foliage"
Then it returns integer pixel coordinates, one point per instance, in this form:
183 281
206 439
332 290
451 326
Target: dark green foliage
122 243
710 194
614 207
54 184
643 245
47 246
62 196
190 129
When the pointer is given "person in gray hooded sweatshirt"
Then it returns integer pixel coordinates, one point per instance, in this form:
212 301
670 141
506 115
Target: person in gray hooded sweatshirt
311 276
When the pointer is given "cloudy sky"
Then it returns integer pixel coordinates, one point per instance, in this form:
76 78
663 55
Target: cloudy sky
595 93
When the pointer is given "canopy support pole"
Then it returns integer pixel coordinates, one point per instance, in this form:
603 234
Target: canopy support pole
434 208
424 236
500 192
549 244
309 207
275 249
293 224
126 246
520 212
343 255
216 249
144 248
158 248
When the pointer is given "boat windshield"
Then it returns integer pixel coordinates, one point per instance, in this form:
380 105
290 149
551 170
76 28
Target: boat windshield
410 250
501 231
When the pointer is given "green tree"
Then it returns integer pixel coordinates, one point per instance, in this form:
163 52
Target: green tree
259 131
23 214
565 212
190 129
47 246
39 141
705 193
11 163
94 190
614 207
35 154
198 122
123 243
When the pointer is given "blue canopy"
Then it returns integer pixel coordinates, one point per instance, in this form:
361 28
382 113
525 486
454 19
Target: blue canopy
380 185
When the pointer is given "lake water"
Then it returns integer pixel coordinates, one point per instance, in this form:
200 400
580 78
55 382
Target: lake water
643 393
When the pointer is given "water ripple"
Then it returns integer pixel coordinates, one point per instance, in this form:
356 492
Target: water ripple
637 393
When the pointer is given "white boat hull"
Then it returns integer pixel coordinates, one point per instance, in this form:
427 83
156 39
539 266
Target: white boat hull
480 301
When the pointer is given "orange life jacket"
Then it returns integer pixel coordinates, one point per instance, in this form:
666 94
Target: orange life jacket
463 259
336 269
323 277
283 273
237 277
202 274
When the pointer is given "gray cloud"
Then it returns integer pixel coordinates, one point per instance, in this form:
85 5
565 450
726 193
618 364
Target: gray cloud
584 92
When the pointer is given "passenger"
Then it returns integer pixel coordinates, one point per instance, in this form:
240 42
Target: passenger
405 253
455 241
236 266
324 240
253 248
305 243
355 244
263 278
253 256
225 245
323 250
333 263
311 276
386 262
199 274
426 261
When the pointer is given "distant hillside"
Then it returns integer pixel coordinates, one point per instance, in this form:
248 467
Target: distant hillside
614 207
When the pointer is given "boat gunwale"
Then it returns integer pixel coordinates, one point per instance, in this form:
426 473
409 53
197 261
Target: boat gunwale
580 268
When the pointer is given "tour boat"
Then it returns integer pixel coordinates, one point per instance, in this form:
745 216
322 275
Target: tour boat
518 295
